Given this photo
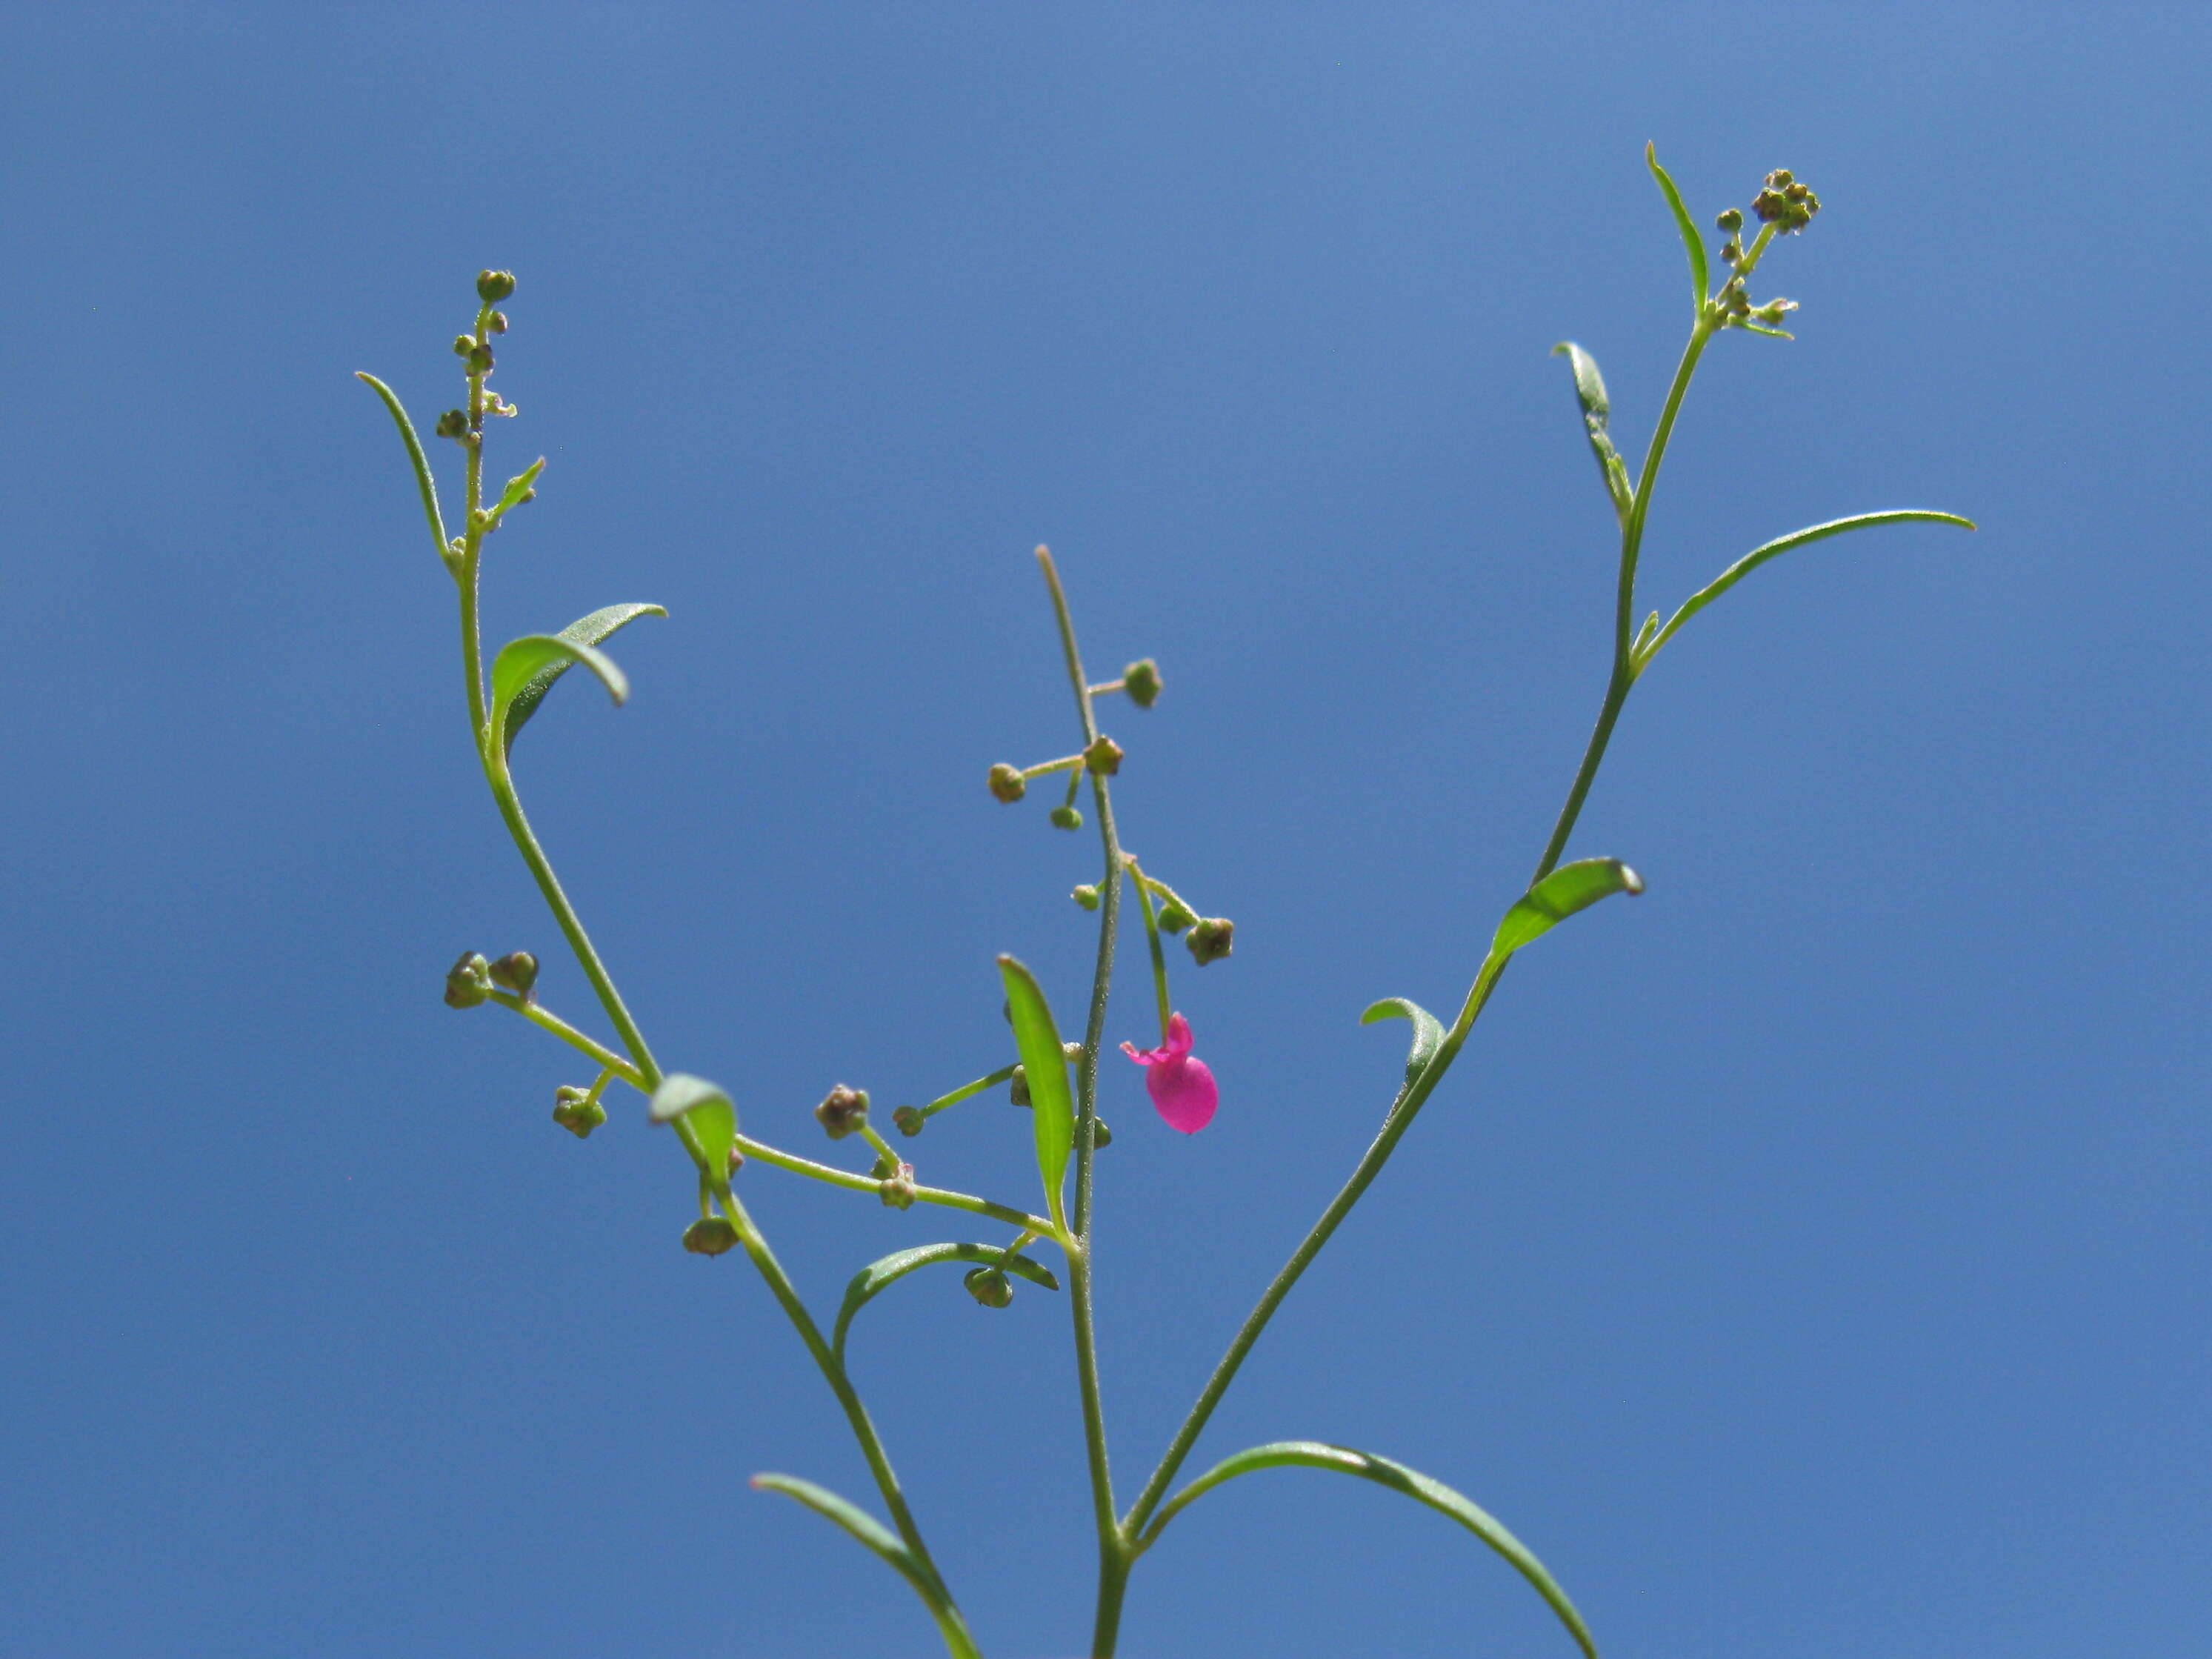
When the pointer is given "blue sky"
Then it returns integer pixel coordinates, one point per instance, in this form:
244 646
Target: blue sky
1809 1258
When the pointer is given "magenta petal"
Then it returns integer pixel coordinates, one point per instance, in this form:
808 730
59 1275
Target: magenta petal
1184 1091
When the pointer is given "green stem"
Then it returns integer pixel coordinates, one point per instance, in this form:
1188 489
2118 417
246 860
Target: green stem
833 1372
967 1089
1159 956
1114 1554
776 1157
546 1020
1417 1090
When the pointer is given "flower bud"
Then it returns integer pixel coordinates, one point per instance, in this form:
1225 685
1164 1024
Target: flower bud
497 322
1007 783
575 1110
1730 220
897 1189
1141 680
1103 756
909 1120
468 981
1100 1135
842 1111
454 423
480 360
517 972
463 344
1066 818
1017 1090
710 1235
493 285
1175 915
1087 895
1211 939
990 1286
1732 251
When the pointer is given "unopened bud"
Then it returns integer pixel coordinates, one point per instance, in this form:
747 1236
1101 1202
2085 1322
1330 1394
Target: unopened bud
575 1110
468 981
463 344
1731 220
1732 251
1007 783
710 1235
517 972
1066 818
1087 895
989 1287
842 1111
1141 680
454 423
1103 756
1100 1135
898 1188
1175 915
1211 939
1017 1088
493 285
480 360
497 322
909 1120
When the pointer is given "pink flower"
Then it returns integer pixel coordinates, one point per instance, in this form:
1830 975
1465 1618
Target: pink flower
1181 1088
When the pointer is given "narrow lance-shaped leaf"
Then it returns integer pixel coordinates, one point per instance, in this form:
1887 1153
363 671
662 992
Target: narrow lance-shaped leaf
704 1117
1570 888
585 630
1774 550
423 481
879 1276
873 1533
1044 1067
518 489
1691 241
1428 1035
1597 412
1317 1454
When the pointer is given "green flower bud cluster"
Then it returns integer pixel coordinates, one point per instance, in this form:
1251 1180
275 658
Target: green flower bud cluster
577 1111
909 1120
1785 203
1211 939
468 981
516 971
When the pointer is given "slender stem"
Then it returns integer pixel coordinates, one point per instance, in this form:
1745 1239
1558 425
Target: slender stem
833 1372
1159 956
544 1020
1114 1556
776 1157
1415 1093
967 1089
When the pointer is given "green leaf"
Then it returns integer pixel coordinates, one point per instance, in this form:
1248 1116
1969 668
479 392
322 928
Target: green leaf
872 1533
1570 888
517 487
423 481
703 1116
878 1276
1427 1034
1691 240
584 631
1774 550
1314 1454
1044 1067
1597 411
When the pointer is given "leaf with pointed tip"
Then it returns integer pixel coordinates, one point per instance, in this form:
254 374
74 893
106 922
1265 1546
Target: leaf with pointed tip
1427 1034
1570 888
423 481
517 487
1774 550
879 1276
704 1117
1317 1455
1597 411
1695 244
1044 1067
873 1533
586 631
